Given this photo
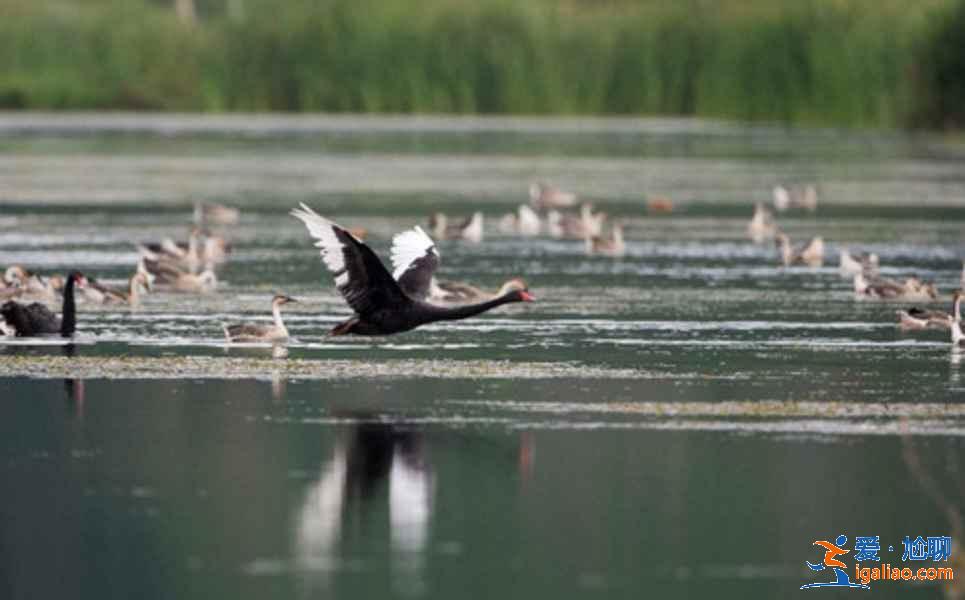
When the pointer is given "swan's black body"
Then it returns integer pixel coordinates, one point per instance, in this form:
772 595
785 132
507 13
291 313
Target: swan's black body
407 314
29 320
380 304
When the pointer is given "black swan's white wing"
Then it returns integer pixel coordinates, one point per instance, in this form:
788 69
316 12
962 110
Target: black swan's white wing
360 276
414 261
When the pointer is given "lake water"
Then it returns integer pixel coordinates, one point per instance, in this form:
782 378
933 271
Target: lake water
682 422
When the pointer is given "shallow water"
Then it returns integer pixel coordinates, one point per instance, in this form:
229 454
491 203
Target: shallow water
683 421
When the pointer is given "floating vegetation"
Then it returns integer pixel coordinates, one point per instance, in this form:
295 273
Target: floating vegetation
830 410
812 420
211 367
807 429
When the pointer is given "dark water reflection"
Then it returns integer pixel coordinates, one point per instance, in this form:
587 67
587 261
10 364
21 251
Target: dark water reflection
74 387
374 468
220 489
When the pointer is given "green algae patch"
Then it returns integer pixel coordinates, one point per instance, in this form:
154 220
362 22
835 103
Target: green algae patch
208 367
750 409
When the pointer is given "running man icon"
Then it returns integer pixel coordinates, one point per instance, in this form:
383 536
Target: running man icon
840 576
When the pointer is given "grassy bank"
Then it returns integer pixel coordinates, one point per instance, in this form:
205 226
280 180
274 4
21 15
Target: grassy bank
854 63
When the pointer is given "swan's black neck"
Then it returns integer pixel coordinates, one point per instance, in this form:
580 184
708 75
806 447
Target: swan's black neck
68 321
440 313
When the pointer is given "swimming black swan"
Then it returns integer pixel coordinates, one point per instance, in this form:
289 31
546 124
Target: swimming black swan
381 307
28 320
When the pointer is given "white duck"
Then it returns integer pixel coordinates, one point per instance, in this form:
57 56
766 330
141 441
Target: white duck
762 226
258 332
23 283
853 264
216 214
457 292
612 246
880 288
200 249
811 255
470 229
586 224
543 196
918 318
785 199
28 282
169 277
97 293
524 222
9 290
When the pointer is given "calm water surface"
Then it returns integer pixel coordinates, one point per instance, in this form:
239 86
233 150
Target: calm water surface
682 422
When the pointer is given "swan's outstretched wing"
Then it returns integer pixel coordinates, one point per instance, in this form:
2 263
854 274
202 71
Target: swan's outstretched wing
360 276
414 261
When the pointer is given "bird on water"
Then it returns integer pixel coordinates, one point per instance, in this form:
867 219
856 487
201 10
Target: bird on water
31 320
381 305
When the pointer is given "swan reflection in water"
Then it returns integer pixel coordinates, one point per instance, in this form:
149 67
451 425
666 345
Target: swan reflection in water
74 388
372 464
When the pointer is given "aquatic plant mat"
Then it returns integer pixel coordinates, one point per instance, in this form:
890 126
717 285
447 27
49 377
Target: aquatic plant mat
833 417
209 367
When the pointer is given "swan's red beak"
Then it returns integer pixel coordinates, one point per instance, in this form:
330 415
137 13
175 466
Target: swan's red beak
82 282
527 297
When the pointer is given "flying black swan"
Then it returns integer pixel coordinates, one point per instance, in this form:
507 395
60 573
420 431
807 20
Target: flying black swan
380 304
28 320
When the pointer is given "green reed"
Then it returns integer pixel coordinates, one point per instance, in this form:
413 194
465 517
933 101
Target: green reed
852 63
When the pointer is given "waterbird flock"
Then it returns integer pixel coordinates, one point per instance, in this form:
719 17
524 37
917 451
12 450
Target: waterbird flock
863 269
409 295
166 265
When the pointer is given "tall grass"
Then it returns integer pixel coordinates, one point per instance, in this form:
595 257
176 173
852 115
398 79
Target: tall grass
853 63
939 75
